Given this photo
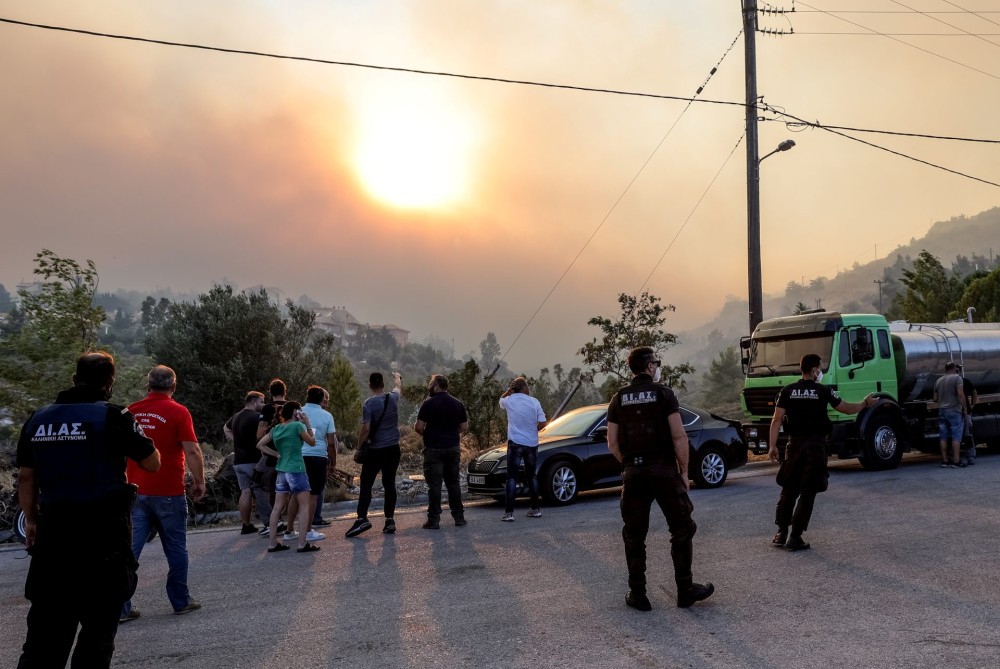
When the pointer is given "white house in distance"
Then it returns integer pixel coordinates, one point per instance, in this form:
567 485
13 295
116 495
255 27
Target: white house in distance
341 324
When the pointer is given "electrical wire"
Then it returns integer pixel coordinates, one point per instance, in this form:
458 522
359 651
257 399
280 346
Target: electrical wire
823 126
976 14
942 21
869 34
385 68
697 204
616 203
802 122
912 46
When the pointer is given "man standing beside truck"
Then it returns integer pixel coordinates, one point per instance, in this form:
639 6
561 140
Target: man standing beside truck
952 409
803 472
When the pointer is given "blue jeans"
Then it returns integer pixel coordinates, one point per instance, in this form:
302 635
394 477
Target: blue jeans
169 516
515 454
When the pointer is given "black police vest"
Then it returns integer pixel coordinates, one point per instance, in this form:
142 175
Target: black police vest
74 463
643 427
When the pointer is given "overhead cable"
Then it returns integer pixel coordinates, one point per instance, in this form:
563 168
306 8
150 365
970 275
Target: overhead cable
912 46
942 21
386 68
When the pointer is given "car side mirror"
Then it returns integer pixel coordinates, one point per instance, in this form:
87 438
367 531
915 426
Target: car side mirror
601 433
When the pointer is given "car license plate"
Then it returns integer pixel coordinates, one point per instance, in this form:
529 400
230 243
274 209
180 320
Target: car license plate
477 480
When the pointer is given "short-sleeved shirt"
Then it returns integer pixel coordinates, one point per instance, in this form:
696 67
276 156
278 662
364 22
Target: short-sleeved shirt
321 421
168 423
387 433
443 415
524 413
288 443
947 389
244 428
74 476
642 411
805 403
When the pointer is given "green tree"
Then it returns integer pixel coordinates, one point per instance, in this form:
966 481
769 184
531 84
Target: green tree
930 294
800 308
6 301
983 294
724 379
487 421
226 343
57 322
345 400
640 323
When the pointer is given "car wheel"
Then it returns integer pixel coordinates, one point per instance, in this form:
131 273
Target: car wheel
561 483
883 447
709 469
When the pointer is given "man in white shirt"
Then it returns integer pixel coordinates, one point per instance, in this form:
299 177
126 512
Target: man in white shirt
524 419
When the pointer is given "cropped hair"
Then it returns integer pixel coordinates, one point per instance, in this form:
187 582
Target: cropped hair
440 380
810 361
253 395
315 394
639 358
288 409
519 385
277 387
161 378
376 381
96 368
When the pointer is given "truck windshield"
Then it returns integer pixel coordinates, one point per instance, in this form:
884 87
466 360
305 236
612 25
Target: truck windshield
781 357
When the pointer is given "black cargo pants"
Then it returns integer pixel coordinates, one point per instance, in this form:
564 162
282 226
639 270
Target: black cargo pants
802 475
642 485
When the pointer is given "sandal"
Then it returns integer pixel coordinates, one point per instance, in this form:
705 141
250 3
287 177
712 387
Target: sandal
277 549
308 548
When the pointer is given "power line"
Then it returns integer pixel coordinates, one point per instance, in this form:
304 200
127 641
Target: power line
824 126
386 68
870 34
620 198
912 46
697 204
942 21
801 122
976 14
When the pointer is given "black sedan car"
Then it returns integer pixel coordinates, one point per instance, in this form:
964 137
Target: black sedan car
573 455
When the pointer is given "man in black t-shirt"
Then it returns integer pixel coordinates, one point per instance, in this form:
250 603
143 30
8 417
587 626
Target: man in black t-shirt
266 464
803 473
242 429
442 420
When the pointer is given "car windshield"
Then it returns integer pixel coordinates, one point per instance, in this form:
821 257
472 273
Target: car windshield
574 423
781 357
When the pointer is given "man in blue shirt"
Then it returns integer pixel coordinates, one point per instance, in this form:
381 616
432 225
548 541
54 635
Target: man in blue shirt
320 459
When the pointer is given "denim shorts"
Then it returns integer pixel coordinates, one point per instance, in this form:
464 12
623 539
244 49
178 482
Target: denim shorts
292 482
950 425
244 475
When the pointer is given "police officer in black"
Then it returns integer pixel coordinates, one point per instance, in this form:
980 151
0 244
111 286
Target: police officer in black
803 472
71 479
646 434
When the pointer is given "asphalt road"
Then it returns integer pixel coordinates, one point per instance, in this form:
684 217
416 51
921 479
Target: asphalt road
901 574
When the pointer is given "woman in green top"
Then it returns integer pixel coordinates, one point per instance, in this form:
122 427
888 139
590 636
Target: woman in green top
287 438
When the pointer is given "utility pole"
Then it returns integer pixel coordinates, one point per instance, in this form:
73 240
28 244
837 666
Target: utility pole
756 296
879 282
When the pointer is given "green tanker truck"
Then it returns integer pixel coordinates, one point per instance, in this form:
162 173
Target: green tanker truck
863 353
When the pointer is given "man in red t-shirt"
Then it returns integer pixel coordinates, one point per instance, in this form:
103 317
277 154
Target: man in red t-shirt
161 504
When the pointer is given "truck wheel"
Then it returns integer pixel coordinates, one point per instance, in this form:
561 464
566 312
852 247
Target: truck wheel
883 448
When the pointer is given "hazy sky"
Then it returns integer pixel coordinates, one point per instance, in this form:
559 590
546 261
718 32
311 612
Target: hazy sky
452 207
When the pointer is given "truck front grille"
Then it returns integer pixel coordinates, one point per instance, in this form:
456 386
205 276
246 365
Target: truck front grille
760 401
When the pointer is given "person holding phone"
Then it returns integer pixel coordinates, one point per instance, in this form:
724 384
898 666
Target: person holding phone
287 438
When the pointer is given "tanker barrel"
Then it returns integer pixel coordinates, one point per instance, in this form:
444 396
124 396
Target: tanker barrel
922 351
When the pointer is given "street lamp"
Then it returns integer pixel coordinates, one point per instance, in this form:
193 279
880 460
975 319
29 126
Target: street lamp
784 146
756 293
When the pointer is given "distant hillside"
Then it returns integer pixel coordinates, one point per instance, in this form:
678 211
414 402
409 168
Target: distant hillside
852 289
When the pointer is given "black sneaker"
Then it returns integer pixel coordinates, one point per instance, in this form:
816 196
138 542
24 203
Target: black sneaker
282 526
432 525
780 538
795 543
638 601
321 522
360 525
461 522
249 528
133 614
390 526
694 593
